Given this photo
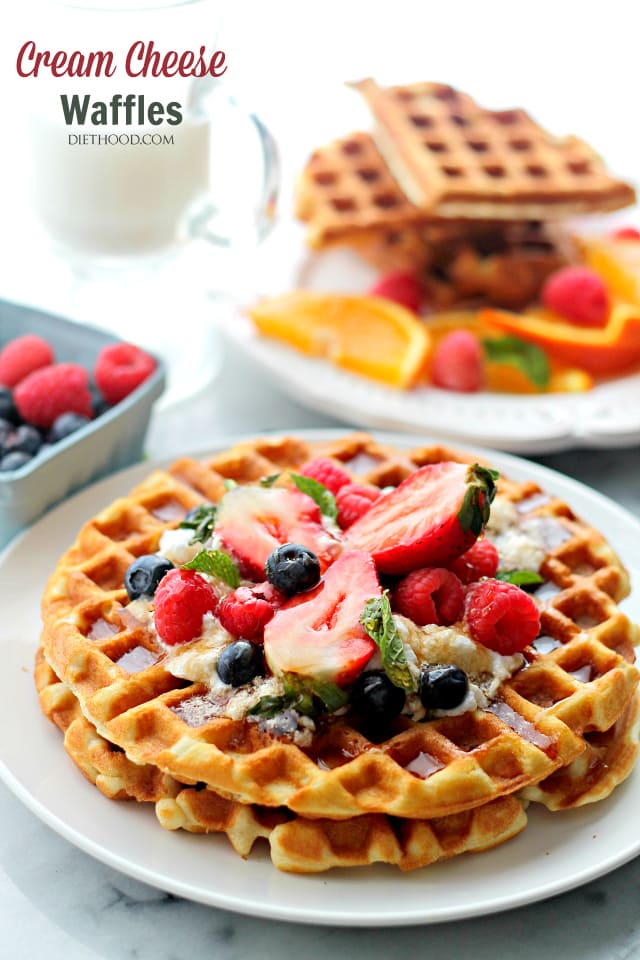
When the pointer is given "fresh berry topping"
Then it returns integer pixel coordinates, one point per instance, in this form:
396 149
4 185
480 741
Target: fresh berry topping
292 568
66 424
435 514
501 616
353 501
319 634
22 356
458 363
240 662
326 472
431 595
247 610
46 393
182 599
13 461
6 428
442 687
375 699
625 233
8 409
23 439
579 295
401 286
120 368
144 575
253 521
480 560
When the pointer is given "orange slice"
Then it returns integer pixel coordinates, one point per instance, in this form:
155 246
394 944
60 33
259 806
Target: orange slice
601 351
617 262
367 335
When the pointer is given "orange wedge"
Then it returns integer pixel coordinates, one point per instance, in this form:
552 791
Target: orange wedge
601 351
367 335
617 262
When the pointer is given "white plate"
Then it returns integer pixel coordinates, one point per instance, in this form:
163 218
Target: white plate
607 416
555 853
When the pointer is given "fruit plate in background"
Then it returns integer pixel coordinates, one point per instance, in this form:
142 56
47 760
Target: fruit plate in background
555 853
607 416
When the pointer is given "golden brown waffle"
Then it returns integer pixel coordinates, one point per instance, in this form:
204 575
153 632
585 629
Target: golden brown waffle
296 844
536 727
452 158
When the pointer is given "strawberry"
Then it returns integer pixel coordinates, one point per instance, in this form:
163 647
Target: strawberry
458 363
579 295
401 286
319 634
436 514
252 521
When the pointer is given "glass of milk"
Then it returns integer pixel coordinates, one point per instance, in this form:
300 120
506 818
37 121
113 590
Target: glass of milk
129 187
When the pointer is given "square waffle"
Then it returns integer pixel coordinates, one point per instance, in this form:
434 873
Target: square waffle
579 684
453 158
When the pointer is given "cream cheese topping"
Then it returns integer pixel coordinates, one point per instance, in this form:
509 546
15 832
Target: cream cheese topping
521 543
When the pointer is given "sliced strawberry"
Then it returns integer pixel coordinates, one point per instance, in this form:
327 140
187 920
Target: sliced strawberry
429 520
319 634
253 521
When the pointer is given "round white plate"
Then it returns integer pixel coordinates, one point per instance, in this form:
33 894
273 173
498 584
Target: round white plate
607 416
555 853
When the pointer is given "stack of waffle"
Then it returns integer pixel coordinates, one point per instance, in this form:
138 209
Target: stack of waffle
472 199
562 732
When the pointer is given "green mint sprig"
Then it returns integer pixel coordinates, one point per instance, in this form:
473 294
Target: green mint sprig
377 620
202 521
216 563
318 493
520 578
527 357
302 694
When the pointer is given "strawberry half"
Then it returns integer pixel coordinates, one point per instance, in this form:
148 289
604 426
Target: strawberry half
435 515
253 521
319 634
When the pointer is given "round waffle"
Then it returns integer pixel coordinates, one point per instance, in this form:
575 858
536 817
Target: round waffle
538 725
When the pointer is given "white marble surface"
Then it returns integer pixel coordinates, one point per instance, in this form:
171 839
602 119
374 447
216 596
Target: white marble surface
57 902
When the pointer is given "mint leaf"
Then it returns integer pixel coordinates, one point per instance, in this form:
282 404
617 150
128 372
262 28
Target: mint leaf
269 481
319 493
528 358
269 707
377 620
229 484
216 564
332 696
520 578
201 521
302 695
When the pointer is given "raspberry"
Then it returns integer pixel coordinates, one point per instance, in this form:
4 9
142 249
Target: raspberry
401 286
46 393
120 368
577 294
353 500
182 599
625 233
501 616
22 356
480 560
458 363
430 595
327 472
247 610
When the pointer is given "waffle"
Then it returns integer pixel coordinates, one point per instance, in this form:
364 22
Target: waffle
537 726
452 158
296 845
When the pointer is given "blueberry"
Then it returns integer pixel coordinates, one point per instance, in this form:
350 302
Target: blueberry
14 460
98 403
66 424
376 699
240 662
442 687
24 439
6 427
292 568
8 409
144 575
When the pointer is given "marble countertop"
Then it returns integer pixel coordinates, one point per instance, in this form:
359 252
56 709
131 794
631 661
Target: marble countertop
57 902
